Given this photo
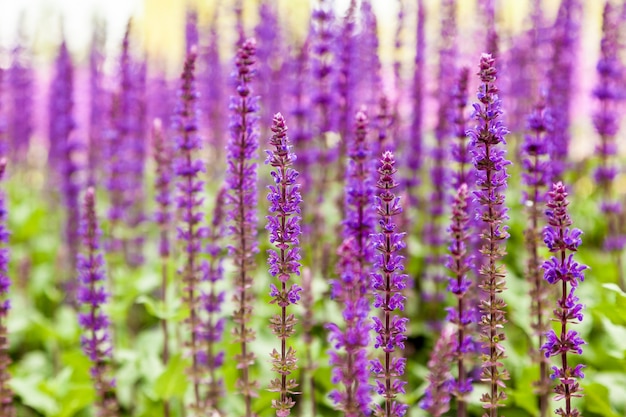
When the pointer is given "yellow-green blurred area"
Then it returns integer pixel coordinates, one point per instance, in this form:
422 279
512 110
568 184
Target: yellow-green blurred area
159 24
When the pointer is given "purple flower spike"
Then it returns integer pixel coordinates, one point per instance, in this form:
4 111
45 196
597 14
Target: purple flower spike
414 158
62 151
284 228
561 76
562 270
212 304
350 342
535 177
241 178
6 395
606 121
188 202
461 315
486 140
359 195
21 87
388 284
92 296
164 172
440 381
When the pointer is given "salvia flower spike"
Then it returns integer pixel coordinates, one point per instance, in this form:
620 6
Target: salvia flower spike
535 177
486 140
388 283
188 202
163 217
606 121
212 304
436 399
6 395
462 314
241 179
284 228
561 269
92 297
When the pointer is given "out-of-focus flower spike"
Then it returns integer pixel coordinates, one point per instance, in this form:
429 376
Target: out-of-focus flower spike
241 179
92 297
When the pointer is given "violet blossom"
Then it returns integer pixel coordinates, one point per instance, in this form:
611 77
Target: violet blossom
188 167
241 179
284 229
462 314
92 297
606 121
486 140
562 270
388 284
535 176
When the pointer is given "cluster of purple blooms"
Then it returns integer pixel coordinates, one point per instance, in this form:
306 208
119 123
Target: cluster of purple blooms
333 71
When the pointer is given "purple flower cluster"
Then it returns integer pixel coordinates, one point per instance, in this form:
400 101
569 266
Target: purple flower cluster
388 285
98 104
187 168
352 287
164 172
213 325
349 354
283 225
20 77
606 121
241 180
461 315
561 76
6 395
491 180
414 159
62 149
561 269
92 296
535 176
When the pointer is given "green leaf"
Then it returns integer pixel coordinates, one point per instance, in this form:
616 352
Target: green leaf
597 400
30 393
614 288
172 383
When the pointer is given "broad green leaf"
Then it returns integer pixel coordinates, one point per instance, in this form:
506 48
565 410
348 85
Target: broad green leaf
597 400
172 382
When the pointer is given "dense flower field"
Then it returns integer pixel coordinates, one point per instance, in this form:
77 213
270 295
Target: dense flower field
301 227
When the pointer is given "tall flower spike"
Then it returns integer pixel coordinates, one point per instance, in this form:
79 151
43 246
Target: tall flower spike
62 150
562 270
434 230
462 314
414 157
283 225
388 285
486 139
163 217
92 296
188 202
561 76
436 400
212 303
535 177
350 342
241 178
6 395
606 121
